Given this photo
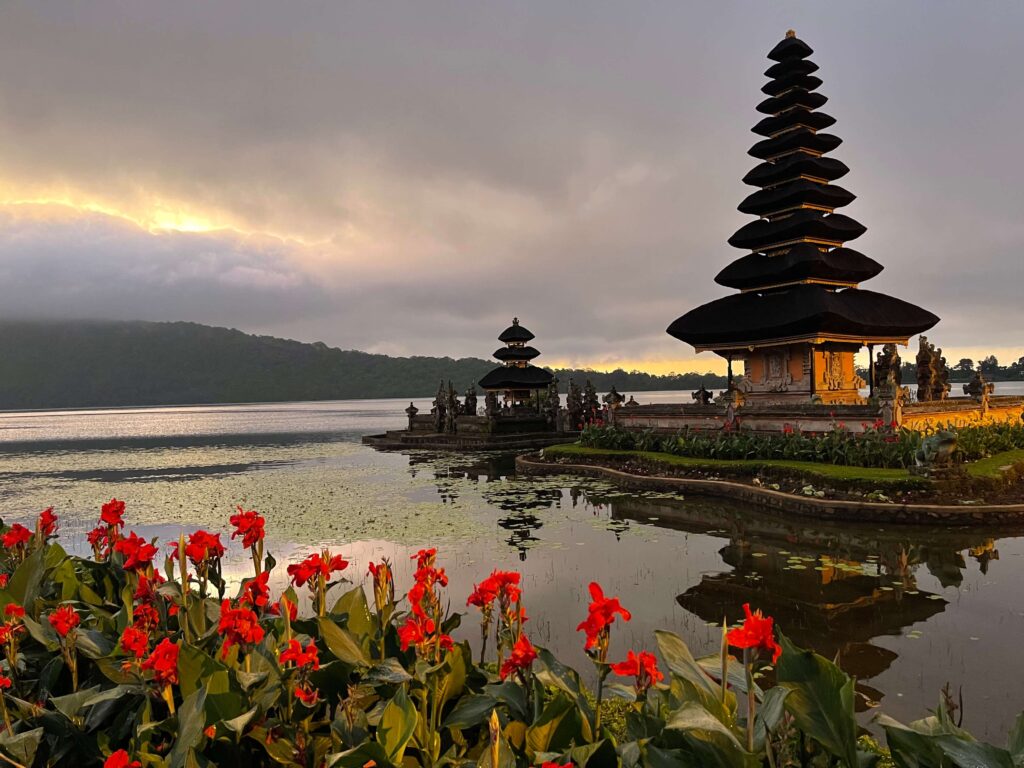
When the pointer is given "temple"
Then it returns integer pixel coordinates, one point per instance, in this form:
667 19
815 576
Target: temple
522 408
800 314
516 379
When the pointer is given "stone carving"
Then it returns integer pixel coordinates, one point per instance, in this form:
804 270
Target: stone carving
936 451
491 405
979 388
613 399
888 368
438 411
451 410
591 402
833 373
932 373
411 412
469 401
574 405
703 396
553 404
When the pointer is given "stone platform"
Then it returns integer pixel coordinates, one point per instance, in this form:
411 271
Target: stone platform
440 441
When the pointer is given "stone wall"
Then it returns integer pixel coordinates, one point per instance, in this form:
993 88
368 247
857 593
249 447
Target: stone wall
962 412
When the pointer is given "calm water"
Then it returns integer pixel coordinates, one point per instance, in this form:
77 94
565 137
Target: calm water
908 610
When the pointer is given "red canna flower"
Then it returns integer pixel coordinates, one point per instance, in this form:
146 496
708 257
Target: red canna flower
756 632
4 578
293 610
202 546
643 667
556 765
5 682
521 658
163 662
316 565
16 536
14 610
47 522
305 659
240 626
135 641
383 584
64 619
112 513
483 595
255 592
138 553
425 558
306 695
249 525
145 616
601 615
121 759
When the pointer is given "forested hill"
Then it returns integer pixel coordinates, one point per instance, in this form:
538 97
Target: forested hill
86 363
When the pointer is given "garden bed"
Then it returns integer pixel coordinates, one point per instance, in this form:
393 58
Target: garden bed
994 492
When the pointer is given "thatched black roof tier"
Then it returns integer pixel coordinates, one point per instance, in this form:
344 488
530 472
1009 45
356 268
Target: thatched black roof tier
797 80
799 263
791 47
794 166
795 97
789 68
514 333
801 138
512 377
772 126
516 353
801 312
793 194
804 224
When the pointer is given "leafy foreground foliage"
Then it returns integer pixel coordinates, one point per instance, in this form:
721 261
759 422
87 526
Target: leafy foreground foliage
877 446
108 662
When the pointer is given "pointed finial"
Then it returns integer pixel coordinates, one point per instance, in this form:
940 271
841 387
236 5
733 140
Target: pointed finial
515 321
790 33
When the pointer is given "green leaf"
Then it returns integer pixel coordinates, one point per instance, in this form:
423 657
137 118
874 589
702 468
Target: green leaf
191 722
397 724
237 725
388 672
820 699
24 584
1015 741
198 669
713 742
471 710
554 673
599 755
366 752
341 643
558 727
360 621
513 696
93 644
21 747
769 714
682 664
43 634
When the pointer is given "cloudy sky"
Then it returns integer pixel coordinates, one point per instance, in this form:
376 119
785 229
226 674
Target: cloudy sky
406 177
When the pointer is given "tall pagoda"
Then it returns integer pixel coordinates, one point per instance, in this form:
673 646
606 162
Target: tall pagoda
800 315
516 379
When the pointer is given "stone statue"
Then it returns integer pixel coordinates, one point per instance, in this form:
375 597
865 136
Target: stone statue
979 388
411 412
703 396
438 411
451 410
491 405
553 405
613 399
591 402
888 368
932 373
631 403
574 405
469 401
936 451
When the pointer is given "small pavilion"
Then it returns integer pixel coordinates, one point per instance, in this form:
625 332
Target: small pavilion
800 314
516 380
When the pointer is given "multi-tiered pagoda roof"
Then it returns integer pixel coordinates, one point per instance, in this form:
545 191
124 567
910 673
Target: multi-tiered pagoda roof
798 281
516 373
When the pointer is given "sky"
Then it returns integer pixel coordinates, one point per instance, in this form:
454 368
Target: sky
406 177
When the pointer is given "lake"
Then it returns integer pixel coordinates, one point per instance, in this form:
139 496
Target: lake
907 609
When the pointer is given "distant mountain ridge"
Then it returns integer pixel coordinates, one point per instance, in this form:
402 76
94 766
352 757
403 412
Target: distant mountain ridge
78 364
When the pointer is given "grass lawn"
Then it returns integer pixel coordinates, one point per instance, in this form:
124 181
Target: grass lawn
830 471
991 466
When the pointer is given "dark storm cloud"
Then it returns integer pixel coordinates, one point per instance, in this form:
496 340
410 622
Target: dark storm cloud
448 165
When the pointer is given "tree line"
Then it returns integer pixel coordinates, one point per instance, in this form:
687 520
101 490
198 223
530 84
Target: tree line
76 364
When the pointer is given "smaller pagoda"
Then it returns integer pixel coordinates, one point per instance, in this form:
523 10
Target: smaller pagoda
516 380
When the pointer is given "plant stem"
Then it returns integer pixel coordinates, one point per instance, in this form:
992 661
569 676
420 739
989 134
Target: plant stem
748 663
597 709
